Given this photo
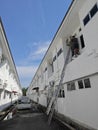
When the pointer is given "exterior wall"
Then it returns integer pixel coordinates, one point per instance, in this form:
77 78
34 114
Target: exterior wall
80 104
11 85
10 89
43 100
58 63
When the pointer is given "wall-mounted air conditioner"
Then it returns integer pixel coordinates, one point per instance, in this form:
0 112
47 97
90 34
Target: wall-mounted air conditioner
51 83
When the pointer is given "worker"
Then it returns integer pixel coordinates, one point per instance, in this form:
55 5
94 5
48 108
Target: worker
74 46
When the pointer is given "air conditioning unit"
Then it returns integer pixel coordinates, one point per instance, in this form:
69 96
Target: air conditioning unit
51 83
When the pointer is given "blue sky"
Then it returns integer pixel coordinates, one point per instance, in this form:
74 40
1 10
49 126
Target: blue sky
30 25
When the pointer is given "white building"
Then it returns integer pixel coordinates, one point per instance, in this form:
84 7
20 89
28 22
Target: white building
10 88
78 98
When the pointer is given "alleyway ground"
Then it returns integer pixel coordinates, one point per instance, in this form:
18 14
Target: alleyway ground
30 120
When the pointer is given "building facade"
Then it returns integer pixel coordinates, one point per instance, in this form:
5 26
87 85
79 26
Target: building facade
10 88
79 93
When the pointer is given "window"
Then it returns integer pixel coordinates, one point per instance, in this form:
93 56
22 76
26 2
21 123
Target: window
87 83
59 52
94 10
86 19
46 69
82 41
68 87
61 93
80 84
52 67
71 86
54 58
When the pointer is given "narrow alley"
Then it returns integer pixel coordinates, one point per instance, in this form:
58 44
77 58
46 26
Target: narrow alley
28 118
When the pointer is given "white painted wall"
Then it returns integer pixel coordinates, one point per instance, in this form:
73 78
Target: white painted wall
81 104
43 100
7 65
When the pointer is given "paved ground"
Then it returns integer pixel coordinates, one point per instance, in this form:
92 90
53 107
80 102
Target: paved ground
30 120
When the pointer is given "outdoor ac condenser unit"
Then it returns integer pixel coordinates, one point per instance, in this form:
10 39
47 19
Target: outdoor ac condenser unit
51 83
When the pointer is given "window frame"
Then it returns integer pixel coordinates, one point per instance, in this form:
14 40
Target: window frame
79 84
86 19
85 83
94 10
61 93
54 58
90 14
59 52
45 69
70 87
82 41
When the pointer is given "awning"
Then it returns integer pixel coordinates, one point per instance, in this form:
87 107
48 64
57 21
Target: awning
14 92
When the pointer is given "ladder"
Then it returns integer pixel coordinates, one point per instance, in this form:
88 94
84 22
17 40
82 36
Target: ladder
51 106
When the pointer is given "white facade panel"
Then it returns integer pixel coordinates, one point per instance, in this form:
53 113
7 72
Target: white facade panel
43 100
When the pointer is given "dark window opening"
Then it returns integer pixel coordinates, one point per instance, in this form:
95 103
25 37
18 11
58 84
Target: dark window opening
87 83
86 19
46 69
82 41
54 58
59 52
61 94
94 10
74 46
52 67
80 84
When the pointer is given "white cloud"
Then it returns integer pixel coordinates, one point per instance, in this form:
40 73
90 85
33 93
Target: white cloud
26 74
39 51
26 71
